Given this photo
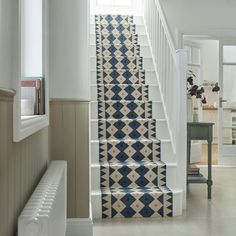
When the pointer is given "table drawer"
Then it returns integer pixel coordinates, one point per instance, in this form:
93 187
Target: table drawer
199 133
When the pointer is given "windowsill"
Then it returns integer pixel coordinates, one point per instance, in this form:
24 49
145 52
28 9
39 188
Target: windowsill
33 124
29 125
25 119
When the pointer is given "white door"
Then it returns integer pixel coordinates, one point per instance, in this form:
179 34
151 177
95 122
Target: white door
227 103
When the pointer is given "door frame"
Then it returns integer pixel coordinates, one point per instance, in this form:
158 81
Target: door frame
221 148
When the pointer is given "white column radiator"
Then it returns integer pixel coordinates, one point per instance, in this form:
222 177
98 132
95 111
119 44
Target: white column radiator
45 212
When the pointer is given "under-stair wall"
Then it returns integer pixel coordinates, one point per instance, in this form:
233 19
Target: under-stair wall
69 140
21 165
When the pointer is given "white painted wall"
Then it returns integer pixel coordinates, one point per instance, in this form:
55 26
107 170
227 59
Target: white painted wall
135 9
68 48
210 60
212 17
8 13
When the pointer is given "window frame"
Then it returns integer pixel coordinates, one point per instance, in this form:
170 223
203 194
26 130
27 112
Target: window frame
22 128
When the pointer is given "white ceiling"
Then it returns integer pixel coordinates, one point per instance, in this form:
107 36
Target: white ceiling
216 18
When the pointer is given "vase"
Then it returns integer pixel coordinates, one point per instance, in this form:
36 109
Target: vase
189 109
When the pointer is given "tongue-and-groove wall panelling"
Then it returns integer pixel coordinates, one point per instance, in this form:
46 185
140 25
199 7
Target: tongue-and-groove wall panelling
21 166
69 140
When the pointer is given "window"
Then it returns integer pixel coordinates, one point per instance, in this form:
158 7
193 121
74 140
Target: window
31 101
114 2
32 79
229 54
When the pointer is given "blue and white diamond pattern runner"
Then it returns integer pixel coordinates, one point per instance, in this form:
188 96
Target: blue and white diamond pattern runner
113 19
118 50
132 176
118 63
109 76
127 129
128 39
123 92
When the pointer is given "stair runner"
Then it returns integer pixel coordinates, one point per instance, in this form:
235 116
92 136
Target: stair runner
133 177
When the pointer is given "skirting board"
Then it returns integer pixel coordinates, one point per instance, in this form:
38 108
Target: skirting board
79 227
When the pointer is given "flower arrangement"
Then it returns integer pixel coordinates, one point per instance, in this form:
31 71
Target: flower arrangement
198 91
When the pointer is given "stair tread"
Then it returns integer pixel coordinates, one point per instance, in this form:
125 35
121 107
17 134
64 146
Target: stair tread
115 23
106 85
120 57
131 140
125 101
123 85
127 119
116 44
175 191
132 70
119 44
168 164
164 189
131 34
133 163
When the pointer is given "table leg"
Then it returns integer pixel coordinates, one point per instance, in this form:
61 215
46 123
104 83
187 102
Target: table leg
188 156
209 181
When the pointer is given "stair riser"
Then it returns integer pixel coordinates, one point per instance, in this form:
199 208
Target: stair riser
157 110
97 204
121 129
144 51
153 93
167 154
161 127
142 40
150 78
147 63
139 29
137 20
114 176
122 92
171 174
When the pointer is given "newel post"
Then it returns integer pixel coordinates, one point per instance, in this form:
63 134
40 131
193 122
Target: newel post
181 139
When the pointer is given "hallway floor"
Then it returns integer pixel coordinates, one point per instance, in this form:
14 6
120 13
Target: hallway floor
206 218
204 158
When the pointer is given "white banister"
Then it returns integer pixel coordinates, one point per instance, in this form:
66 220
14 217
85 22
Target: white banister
171 69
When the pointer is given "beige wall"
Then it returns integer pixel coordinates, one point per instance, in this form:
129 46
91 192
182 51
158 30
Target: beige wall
69 140
21 166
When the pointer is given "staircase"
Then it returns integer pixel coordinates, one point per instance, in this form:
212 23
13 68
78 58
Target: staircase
133 162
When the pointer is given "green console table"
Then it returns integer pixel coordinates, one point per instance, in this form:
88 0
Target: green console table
200 131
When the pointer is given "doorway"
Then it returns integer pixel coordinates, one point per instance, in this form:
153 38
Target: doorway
227 103
213 67
203 67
